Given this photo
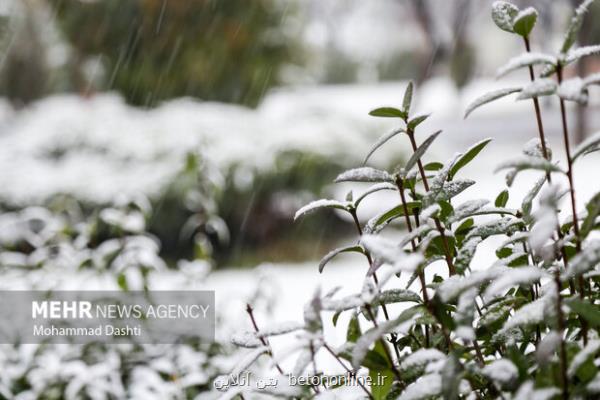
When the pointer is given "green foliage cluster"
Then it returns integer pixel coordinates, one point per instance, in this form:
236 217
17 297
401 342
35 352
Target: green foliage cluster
225 50
525 326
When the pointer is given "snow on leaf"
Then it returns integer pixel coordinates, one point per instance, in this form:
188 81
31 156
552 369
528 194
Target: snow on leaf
584 261
546 218
585 354
526 205
467 209
497 311
522 163
381 141
425 387
590 144
573 90
368 338
547 347
382 248
525 21
534 148
504 225
525 60
421 357
397 296
463 317
346 249
489 97
528 392
538 88
517 277
593 79
593 210
575 26
248 360
436 186
466 253
364 174
281 328
581 52
419 152
454 188
503 15
375 188
501 371
318 204
534 312
409 263
452 287
246 339
430 212
304 358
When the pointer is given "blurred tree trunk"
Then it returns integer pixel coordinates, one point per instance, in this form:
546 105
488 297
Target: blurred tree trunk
24 73
581 110
428 57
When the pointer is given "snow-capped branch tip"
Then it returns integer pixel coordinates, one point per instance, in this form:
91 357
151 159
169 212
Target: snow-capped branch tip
489 97
364 174
526 60
319 204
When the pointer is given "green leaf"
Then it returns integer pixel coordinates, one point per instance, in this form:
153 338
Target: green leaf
467 157
353 332
433 166
502 199
593 210
122 282
381 382
332 254
397 296
525 21
388 112
416 121
395 212
589 312
381 141
503 14
587 146
489 97
412 161
408 94
451 377
575 26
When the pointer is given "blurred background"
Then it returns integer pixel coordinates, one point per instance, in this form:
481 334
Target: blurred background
145 143
228 114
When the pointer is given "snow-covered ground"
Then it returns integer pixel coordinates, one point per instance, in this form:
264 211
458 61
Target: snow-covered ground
62 141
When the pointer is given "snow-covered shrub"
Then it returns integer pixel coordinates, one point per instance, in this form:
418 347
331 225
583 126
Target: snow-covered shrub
428 325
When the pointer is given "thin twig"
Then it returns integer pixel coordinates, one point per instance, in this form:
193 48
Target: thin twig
438 224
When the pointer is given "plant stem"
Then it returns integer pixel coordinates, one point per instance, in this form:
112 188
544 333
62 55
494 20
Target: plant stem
369 259
438 224
263 340
538 114
400 185
561 329
563 114
314 363
348 370
565 126
383 345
